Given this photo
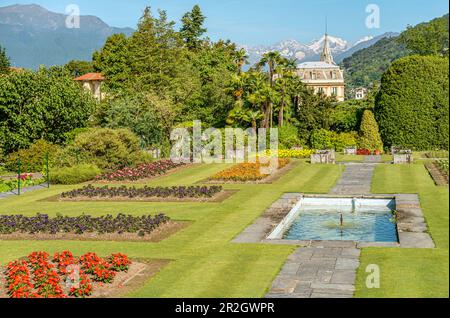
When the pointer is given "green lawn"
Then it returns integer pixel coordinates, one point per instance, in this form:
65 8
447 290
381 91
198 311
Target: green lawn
411 272
205 263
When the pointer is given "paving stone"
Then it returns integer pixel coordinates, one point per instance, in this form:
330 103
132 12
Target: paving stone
323 276
412 227
415 240
332 288
351 252
283 284
347 263
346 277
325 295
333 244
306 274
290 269
303 287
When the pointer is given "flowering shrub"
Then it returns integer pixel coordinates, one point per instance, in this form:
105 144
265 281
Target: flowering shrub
285 153
246 172
36 277
41 223
143 171
145 192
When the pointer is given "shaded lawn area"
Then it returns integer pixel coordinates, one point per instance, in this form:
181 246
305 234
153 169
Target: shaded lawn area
204 262
411 272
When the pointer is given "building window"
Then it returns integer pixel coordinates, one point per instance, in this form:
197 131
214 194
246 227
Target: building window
320 89
334 91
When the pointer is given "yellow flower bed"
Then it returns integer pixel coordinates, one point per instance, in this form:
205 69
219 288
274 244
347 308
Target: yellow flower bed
246 172
285 153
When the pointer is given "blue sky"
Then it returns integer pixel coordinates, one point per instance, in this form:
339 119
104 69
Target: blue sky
266 21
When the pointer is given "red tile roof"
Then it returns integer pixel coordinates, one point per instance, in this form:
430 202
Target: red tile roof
90 77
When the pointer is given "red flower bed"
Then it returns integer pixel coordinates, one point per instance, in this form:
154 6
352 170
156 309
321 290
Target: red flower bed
363 152
143 171
38 277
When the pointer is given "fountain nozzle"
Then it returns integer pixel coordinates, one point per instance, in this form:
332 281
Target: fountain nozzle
342 220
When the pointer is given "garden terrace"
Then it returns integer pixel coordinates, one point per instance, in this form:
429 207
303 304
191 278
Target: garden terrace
247 172
132 193
143 171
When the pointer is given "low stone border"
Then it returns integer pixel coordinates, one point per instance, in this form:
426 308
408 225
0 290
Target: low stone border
412 229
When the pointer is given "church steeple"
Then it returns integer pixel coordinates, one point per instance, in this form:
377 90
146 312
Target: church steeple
326 55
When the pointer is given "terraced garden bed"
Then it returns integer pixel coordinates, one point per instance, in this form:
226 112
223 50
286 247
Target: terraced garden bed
66 276
142 172
87 228
439 171
146 194
251 173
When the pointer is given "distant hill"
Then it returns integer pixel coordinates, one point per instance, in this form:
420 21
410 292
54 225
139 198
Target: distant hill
365 66
33 36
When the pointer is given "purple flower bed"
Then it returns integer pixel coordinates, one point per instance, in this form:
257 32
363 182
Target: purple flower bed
145 192
42 223
143 171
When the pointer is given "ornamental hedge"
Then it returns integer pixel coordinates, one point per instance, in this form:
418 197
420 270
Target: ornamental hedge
412 105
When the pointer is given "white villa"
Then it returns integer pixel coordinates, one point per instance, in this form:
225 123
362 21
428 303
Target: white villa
324 76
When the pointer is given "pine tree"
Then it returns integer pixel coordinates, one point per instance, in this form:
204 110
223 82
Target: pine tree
369 133
192 28
4 61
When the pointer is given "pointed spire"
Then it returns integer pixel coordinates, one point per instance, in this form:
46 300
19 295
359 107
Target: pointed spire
326 55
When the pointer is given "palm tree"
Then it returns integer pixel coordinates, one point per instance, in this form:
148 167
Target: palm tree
271 59
240 58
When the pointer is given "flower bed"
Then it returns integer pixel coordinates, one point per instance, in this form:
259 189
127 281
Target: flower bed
63 276
299 154
244 172
143 171
145 192
121 224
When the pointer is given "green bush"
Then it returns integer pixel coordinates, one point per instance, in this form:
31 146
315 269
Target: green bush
326 139
288 137
109 149
33 158
73 175
369 137
412 106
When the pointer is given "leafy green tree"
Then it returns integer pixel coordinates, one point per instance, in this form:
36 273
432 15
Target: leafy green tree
145 114
430 38
113 61
40 105
369 134
4 61
346 117
78 68
412 106
192 28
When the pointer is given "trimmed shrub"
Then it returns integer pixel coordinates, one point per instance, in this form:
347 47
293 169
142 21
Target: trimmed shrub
412 106
75 174
369 134
325 139
288 137
109 149
33 158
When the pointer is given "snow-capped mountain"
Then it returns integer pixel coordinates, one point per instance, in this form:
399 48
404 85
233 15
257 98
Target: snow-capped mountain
293 49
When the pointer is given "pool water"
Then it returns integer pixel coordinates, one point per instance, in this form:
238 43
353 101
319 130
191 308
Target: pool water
367 226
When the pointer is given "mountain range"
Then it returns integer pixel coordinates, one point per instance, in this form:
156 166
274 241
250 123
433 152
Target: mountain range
293 49
34 36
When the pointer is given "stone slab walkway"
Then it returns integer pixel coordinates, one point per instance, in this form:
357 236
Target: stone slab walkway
356 179
324 270
5 195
